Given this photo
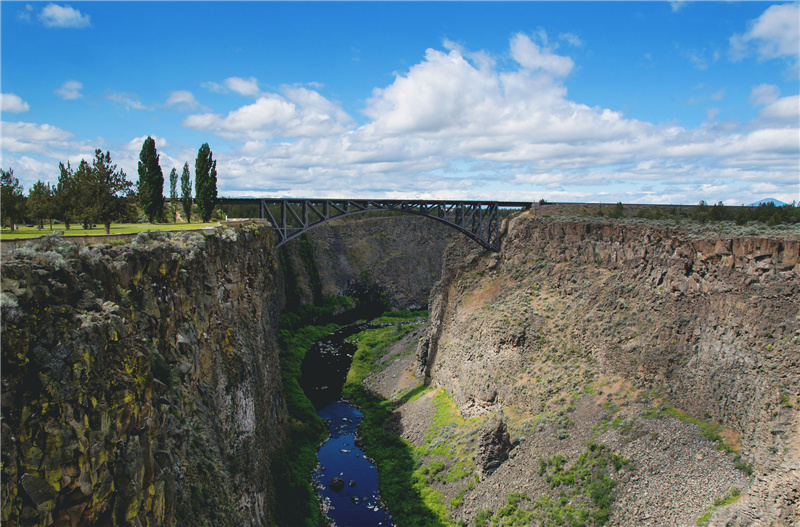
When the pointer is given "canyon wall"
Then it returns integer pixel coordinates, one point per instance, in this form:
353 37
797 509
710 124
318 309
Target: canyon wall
707 323
400 253
140 382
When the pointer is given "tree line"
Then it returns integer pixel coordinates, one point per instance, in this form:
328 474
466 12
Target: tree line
101 193
768 213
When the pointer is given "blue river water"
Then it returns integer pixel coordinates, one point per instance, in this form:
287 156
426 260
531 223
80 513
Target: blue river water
355 503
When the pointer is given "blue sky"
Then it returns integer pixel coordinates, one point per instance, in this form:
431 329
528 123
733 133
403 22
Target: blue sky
649 102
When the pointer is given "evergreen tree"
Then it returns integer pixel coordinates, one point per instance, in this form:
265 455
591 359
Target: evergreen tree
40 203
12 200
151 182
173 194
618 211
105 191
186 193
83 194
65 195
205 181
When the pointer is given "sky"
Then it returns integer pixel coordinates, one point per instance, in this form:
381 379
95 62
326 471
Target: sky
639 102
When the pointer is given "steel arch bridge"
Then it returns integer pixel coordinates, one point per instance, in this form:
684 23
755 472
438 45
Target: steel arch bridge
479 220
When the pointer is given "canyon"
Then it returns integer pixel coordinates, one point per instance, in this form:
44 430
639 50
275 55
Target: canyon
579 324
141 382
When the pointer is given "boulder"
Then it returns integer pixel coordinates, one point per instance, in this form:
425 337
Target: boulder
494 446
337 484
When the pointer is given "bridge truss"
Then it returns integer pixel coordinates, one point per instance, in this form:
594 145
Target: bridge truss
479 220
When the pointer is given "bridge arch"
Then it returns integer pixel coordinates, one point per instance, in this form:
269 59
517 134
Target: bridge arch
479 220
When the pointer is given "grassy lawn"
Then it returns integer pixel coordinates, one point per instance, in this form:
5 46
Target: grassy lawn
116 228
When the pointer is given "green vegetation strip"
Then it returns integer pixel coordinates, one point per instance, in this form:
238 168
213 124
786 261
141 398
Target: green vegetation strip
731 497
394 457
448 455
116 228
297 503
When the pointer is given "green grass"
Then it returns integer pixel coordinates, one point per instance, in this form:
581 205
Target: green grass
703 519
372 344
401 316
116 228
585 493
732 496
409 500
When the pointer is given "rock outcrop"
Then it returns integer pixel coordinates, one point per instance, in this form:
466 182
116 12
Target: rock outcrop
494 446
140 382
709 324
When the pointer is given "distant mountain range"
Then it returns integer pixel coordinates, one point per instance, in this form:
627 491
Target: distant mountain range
774 201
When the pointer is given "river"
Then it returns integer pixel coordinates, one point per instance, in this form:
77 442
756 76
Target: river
346 481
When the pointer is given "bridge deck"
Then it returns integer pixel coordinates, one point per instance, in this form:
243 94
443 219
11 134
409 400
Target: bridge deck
290 217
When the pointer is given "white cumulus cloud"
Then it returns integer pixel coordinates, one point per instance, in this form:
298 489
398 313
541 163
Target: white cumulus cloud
70 90
531 56
54 15
13 103
136 143
677 6
25 15
572 39
784 109
182 100
247 87
775 34
32 137
299 112
459 126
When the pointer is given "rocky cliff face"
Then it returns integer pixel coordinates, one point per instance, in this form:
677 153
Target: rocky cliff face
400 253
708 324
140 382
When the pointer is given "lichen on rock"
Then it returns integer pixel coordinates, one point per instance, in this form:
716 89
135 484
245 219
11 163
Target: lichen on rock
140 382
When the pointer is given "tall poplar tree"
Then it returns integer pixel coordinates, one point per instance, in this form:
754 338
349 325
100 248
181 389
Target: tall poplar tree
205 182
151 181
186 193
173 194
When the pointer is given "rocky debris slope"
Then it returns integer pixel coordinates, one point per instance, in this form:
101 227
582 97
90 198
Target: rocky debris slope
675 475
710 325
140 382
